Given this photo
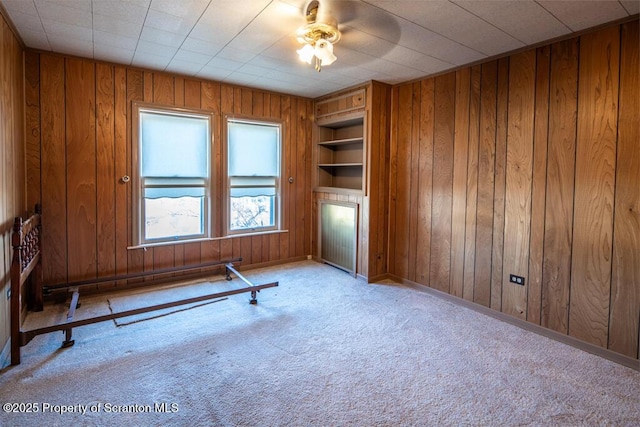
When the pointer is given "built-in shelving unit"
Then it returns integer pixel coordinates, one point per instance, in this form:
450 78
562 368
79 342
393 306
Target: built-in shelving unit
340 154
350 168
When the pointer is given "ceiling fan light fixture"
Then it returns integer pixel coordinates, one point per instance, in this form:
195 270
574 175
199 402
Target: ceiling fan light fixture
318 39
306 53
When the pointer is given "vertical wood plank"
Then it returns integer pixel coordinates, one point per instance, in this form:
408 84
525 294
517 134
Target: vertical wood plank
293 171
121 168
256 249
265 247
81 168
209 251
54 189
163 89
32 127
193 93
625 281
18 110
147 78
538 185
375 194
425 167
595 180
497 253
403 180
561 157
308 177
517 225
378 253
304 166
178 91
246 101
393 178
444 124
245 247
257 104
178 257
291 153
276 239
472 185
285 111
460 160
486 176
105 170
163 257
226 249
193 253
414 181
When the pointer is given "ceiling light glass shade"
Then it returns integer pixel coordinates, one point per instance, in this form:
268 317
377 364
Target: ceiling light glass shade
306 53
324 52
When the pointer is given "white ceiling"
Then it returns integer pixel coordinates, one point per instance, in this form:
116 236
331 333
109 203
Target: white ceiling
252 42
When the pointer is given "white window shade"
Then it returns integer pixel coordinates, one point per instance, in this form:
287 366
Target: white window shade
174 146
172 174
253 150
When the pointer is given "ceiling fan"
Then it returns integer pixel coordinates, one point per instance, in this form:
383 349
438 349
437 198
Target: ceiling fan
359 24
318 36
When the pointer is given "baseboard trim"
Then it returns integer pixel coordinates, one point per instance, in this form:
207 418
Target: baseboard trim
381 277
531 327
272 263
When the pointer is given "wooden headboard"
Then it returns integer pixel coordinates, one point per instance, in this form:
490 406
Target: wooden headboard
26 268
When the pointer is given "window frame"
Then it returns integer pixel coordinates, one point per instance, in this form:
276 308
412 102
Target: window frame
226 188
138 201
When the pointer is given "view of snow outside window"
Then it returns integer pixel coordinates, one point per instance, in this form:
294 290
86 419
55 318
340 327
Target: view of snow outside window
173 217
251 212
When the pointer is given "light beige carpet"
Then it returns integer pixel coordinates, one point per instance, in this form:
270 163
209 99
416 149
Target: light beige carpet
322 349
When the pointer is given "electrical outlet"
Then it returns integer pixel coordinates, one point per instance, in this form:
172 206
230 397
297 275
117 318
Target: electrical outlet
518 280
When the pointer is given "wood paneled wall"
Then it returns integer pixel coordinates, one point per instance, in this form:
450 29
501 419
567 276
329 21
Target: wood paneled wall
527 165
12 162
78 120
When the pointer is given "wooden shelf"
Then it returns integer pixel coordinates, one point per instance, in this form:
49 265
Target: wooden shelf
340 154
345 141
338 165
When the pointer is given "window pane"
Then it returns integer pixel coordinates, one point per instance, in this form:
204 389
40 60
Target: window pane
253 149
248 212
173 217
174 145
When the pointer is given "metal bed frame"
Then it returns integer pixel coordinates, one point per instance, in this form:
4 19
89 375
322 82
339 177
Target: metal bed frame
26 268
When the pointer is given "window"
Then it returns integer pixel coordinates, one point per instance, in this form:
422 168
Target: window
253 175
173 175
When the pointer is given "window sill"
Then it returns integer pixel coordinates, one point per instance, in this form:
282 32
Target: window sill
208 239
